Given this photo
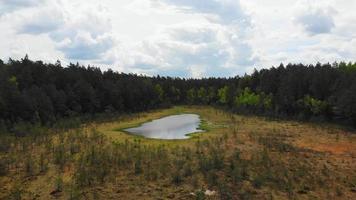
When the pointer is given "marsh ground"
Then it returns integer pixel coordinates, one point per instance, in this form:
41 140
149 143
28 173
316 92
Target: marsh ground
238 157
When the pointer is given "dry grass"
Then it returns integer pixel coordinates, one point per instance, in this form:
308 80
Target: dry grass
285 160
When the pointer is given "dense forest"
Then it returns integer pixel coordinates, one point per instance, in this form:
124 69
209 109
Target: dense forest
33 92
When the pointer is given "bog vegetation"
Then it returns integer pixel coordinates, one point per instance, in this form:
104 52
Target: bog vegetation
238 158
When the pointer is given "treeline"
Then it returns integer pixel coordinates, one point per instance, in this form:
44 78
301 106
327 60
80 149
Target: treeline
38 93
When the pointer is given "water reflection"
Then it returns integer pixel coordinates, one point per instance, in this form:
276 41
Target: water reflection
171 127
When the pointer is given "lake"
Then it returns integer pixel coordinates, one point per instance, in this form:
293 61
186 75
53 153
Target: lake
171 127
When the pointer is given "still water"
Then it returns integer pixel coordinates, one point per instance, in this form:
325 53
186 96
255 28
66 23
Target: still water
171 127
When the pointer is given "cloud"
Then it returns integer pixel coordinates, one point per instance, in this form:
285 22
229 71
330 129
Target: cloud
215 46
83 46
183 38
81 35
7 6
42 21
223 11
86 35
193 50
315 19
279 37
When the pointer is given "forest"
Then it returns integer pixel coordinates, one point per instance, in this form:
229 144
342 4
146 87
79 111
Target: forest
37 93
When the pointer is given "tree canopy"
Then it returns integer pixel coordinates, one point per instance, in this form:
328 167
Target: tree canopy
36 92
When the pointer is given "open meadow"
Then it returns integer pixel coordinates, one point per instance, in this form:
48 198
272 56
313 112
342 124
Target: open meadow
236 157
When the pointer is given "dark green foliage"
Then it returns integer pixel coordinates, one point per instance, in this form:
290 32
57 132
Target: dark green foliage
191 96
138 167
238 168
58 184
200 195
258 181
60 155
223 95
313 107
38 93
177 177
212 157
93 166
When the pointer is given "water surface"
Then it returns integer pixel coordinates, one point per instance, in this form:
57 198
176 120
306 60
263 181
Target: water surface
171 127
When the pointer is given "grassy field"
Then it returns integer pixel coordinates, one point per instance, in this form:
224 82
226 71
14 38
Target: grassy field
237 157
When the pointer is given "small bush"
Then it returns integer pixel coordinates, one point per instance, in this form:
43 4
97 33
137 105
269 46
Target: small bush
29 165
177 177
58 184
74 193
200 195
16 192
43 163
3 166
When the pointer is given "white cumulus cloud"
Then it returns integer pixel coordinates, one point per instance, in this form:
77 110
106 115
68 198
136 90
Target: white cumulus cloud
81 35
186 38
315 18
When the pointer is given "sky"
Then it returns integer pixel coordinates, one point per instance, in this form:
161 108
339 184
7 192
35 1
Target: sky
179 38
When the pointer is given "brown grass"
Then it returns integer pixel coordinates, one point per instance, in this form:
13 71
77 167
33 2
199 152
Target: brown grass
320 161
